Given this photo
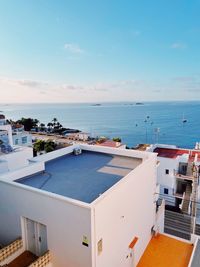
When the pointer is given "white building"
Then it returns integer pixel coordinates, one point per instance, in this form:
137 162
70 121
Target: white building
80 136
96 209
14 134
11 157
178 175
21 137
6 131
111 143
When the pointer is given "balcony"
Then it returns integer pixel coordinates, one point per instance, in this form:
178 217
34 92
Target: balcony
178 175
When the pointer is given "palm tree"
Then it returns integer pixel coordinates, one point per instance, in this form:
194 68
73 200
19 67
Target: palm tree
42 126
50 125
54 121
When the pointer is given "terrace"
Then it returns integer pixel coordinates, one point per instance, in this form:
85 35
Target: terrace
84 177
164 251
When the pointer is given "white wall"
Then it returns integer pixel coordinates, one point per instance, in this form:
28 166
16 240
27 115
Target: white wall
66 223
125 212
16 159
19 135
115 151
168 181
8 128
163 178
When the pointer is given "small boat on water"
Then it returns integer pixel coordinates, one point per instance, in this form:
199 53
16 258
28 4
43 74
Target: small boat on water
184 120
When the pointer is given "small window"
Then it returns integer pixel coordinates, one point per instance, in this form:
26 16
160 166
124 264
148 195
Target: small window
24 139
166 191
16 141
166 171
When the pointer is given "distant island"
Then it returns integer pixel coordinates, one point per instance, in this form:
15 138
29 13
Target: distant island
96 105
139 103
131 104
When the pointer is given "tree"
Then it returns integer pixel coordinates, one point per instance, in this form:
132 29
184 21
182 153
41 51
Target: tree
42 126
49 146
117 139
28 123
54 122
39 145
50 125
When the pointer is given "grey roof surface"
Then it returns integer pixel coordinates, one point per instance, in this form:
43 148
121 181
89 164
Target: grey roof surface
83 177
196 258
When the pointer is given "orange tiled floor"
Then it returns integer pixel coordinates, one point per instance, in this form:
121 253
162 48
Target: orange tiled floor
163 251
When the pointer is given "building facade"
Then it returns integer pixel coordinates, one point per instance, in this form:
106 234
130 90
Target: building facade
87 210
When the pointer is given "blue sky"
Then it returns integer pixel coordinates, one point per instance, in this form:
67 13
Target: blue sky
106 50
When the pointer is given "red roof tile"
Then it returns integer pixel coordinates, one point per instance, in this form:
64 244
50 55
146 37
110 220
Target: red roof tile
170 152
173 153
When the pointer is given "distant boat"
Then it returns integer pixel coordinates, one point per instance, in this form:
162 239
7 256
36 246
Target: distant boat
184 120
139 103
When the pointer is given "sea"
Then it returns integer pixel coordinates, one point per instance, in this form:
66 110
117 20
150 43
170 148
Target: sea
148 122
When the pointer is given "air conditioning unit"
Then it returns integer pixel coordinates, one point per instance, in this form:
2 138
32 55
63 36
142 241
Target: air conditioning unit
77 151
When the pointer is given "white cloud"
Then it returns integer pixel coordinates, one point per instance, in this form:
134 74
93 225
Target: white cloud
73 48
178 45
23 90
22 82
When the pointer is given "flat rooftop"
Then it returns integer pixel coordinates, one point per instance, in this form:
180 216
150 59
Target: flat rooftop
84 177
164 251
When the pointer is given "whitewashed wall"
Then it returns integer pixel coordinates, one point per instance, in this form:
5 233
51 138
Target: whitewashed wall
125 212
16 159
66 223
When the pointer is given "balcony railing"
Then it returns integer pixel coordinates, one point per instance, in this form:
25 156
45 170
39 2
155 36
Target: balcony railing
41 261
182 176
10 249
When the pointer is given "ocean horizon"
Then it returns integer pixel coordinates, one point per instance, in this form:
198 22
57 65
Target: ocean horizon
147 122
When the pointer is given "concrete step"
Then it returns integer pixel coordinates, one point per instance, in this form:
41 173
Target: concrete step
178 224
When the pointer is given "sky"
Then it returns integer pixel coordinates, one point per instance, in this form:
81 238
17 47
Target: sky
99 50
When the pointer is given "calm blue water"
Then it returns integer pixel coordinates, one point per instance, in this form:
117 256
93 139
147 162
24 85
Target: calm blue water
119 119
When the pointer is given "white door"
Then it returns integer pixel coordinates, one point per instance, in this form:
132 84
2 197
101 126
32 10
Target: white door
31 236
42 238
36 237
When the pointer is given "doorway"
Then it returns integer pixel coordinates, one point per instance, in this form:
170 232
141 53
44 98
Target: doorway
35 237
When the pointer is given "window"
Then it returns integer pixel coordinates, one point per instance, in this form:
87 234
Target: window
24 139
166 171
166 191
16 141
